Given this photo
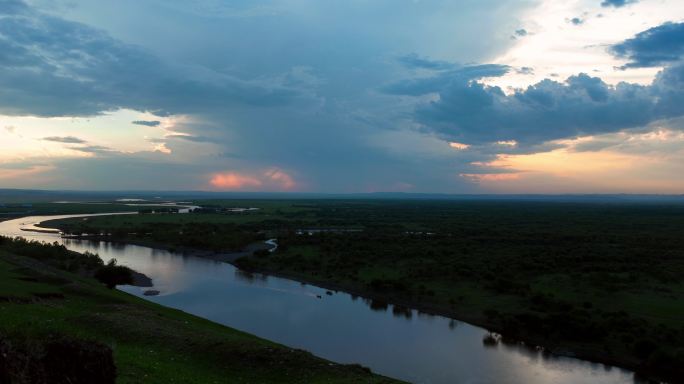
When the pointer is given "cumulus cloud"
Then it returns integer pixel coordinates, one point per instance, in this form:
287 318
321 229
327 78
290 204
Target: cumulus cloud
234 181
284 180
470 112
272 179
162 148
147 123
550 110
65 139
653 47
617 3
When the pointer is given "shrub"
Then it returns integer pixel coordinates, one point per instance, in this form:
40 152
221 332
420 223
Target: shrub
112 274
55 360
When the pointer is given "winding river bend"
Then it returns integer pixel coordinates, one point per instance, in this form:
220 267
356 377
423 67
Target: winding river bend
406 345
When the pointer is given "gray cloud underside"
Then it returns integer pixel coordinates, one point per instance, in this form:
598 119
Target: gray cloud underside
150 123
415 61
617 3
65 139
95 149
654 47
432 84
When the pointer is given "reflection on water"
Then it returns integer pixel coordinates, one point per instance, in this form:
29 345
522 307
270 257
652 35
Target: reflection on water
392 340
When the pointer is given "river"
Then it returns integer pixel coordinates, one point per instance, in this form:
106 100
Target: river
406 345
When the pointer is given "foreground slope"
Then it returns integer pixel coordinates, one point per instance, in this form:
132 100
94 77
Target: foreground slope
41 306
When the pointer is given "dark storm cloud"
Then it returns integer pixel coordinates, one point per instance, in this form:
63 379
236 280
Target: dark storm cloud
13 7
414 61
325 124
54 67
654 47
617 3
152 123
65 139
433 84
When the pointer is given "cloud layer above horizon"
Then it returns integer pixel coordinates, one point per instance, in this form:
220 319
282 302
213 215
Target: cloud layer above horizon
342 96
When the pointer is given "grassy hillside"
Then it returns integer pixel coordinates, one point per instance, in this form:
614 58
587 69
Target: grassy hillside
43 309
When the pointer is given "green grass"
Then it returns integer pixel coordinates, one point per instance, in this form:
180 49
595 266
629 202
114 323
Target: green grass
13 287
151 343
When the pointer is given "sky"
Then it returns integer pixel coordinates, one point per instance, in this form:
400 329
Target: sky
343 96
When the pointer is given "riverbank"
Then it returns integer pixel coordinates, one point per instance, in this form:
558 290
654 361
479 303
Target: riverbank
583 280
147 342
477 319
225 257
175 232
466 314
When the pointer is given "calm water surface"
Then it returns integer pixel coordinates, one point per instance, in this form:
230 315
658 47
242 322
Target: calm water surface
412 346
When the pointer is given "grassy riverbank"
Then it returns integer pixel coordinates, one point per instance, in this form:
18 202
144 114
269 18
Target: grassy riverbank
41 307
598 281
601 281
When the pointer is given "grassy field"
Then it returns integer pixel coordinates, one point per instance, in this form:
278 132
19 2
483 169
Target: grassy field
150 343
601 280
